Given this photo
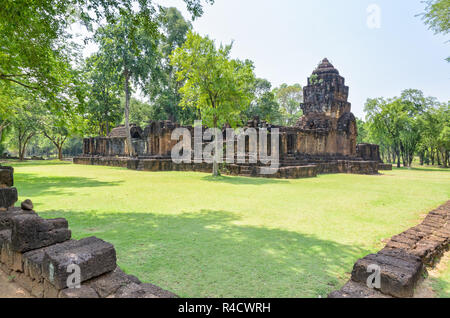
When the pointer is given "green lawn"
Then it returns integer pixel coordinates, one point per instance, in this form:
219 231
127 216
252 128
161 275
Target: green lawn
235 236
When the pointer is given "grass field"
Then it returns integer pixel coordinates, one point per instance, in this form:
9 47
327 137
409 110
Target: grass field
234 236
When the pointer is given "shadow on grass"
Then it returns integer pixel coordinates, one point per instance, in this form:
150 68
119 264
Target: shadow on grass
243 180
207 254
31 185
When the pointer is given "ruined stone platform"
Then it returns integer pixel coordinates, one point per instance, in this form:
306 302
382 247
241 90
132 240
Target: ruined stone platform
284 172
403 260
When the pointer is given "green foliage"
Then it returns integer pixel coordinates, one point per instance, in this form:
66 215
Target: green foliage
264 104
141 113
289 98
437 16
103 109
163 90
218 86
408 125
40 64
362 131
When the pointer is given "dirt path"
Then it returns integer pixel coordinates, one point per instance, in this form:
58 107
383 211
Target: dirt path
10 289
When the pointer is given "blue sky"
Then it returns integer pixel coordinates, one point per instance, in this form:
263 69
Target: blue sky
287 38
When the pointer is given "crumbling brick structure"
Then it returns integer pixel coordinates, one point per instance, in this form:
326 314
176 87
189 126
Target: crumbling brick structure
325 136
38 254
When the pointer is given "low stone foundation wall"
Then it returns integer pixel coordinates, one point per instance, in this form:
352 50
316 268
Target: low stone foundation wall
385 166
403 260
294 172
345 166
38 253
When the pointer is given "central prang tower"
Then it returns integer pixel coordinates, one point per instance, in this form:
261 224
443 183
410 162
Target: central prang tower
327 110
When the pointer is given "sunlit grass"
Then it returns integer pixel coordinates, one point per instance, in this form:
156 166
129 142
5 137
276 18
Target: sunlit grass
233 236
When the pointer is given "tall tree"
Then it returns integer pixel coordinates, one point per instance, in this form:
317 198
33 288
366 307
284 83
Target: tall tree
34 38
25 126
264 104
130 50
164 90
289 98
218 86
103 105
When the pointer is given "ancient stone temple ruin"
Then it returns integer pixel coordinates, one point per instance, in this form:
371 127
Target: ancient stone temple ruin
322 141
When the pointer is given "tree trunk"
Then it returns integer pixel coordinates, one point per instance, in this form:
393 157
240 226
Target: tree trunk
127 114
215 164
60 154
398 158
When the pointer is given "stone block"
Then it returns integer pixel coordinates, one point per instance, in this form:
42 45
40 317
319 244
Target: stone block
32 262
6 217
31 232
82 292
399 271
107 284
94 257
5 238
50 291
157 291
133 290
6 176
356 290
8 196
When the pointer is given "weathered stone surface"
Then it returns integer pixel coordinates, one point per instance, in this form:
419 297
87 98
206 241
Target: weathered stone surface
25 281
33 261
82 292
134 279
5 237
133 290
157 291
6 176
8 196
109 283
356 290
27 205
94 257
50 291
31 232
6 217
38 290
400 271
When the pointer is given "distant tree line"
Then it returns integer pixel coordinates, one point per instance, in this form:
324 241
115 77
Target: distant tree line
147 68
408 126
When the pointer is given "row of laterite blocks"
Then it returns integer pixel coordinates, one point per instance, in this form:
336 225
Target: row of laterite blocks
40 255
403 261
